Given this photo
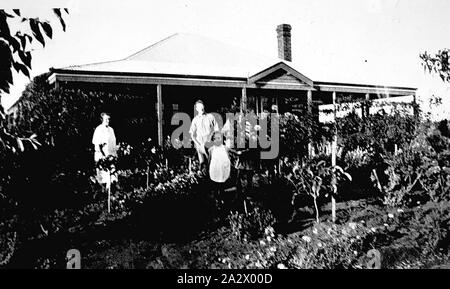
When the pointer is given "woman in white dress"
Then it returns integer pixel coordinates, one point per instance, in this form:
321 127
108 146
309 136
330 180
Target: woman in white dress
104 141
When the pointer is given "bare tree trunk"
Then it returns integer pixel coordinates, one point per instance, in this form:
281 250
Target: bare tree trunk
317 210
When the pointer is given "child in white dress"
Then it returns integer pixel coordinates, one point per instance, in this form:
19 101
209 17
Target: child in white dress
220 164
219 167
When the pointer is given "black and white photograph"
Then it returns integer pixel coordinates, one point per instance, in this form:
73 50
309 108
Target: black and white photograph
247 135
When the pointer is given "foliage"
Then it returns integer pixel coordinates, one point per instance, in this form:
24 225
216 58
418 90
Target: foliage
294 133
330 246
420 172
297 130
315 179
16 53
176 186
252 225
58 116
108 163
15 44
357 159
419 231
8 240
437 64
376 133
400 235
324 245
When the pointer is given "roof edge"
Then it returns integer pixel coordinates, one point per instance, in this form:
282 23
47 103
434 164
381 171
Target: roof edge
150 46
363 85
118 73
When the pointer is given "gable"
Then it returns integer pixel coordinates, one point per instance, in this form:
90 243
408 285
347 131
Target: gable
280 73
280 76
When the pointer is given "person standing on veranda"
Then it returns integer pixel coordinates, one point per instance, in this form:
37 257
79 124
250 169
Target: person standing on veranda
104 141
202 127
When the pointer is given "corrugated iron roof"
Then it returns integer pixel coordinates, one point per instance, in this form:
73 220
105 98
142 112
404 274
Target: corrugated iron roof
187 54
194 55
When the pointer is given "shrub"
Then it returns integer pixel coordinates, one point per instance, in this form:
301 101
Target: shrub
418 173
251 225
316 179
379 132
297 130
8 242
419 232
323 246
357 159
330 246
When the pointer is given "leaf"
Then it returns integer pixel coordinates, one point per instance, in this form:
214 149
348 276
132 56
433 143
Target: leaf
14 43
348 176
57 11
3 12
47 29
25 57
4 86
34 25
33 140
4 28
29 38
7 75
22 38
21 68
34 145
339 169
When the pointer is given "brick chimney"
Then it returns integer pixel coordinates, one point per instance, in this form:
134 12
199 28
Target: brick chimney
284 42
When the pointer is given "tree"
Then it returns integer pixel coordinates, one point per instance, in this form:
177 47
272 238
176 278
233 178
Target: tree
15 53
437 64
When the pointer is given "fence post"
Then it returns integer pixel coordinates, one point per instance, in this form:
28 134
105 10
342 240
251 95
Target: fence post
333 161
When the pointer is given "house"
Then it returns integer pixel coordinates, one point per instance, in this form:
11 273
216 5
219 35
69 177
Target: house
176 71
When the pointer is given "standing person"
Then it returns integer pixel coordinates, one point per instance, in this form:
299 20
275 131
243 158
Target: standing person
219 163
104 141
201 129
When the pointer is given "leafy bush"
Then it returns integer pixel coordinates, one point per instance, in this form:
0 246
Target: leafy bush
323 246
357 159
377 132
418 173
8 243
251 225
316 179
297 130
410 233
330 246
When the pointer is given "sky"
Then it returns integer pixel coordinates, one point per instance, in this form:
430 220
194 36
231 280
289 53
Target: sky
374 41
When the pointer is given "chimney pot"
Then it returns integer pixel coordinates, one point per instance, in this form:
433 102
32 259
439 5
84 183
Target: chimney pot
284 41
